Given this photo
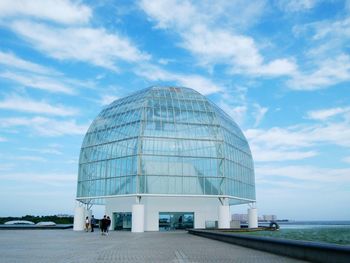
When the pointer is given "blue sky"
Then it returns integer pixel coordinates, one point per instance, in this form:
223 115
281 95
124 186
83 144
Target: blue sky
281 69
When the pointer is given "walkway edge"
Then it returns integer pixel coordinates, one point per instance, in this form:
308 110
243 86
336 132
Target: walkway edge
311 251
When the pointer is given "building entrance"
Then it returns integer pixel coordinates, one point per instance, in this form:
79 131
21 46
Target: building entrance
122 221
175 220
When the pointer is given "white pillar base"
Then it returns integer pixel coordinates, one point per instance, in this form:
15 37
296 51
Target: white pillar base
79 218
224 216
252 218
138 218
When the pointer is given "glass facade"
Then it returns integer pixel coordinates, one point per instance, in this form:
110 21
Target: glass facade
167 141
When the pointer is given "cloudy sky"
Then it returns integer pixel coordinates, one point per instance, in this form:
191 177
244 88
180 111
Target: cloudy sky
281 69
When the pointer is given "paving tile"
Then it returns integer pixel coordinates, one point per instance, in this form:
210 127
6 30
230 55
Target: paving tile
67 246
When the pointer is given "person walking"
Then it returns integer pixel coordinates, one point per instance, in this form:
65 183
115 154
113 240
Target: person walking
108 224
103 224
92 223
87 224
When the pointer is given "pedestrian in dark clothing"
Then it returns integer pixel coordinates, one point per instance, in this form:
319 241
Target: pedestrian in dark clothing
92 223
103 225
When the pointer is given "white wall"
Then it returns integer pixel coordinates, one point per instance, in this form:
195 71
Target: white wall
204 209
118 204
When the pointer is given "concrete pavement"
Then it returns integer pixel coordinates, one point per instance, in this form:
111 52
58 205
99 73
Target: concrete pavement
67 246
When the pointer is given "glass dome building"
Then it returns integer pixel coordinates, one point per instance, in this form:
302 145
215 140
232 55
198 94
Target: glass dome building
165 157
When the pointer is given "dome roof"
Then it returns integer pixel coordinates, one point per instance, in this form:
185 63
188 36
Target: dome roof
165 141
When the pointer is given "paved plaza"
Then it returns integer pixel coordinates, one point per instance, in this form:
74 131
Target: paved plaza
67 246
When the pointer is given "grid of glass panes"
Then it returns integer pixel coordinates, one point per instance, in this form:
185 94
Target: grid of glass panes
239 169
165 141
108 157
181 144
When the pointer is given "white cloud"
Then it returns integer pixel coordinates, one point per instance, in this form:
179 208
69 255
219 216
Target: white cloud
3 139
165 61
277 144
246 13
181 13
346 159
197 82
325 114
32 75
294 142
27 158
334 133
328 38
38 82
237 113
52 179
73 161
45 126
218 45
108 99
60 11
12 61
6 166
278 67
296 5
95 46
48 150
259 113
347 6
213 43
304 173
237 51
330 72
276 137
302 136
233 102
278 154
328 59
338 29
17 103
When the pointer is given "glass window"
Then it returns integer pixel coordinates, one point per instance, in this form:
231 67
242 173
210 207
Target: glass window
183 142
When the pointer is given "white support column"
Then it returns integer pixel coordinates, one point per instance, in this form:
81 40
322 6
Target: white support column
79 217
138 217
224 214
252 217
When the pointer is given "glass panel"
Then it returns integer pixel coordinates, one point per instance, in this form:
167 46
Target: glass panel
165 140
122 221
175 220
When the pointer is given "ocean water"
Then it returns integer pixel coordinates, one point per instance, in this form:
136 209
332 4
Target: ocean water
311 224
335 232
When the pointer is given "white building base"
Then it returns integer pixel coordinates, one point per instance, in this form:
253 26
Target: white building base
224 216
204 209
138 218
252 218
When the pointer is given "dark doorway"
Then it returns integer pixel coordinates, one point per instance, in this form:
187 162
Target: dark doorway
175 220
122 221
